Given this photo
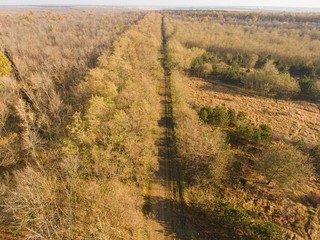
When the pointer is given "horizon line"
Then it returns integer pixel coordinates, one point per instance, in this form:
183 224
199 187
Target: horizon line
162 6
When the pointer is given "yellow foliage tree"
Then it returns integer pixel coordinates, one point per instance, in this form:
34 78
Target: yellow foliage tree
5 66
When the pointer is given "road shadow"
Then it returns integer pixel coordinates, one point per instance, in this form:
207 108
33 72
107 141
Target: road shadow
175 224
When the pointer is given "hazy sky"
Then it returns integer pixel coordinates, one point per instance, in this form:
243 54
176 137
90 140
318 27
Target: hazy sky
276 3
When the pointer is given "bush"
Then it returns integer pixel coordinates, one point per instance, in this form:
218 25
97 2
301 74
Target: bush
286 165
263 133
245 132
315 152
310 88
267 231
302 70
205 114
269 79
300 144
218 116
241 116
313 199
232 116
231 75
223 117
202 66
5 66
236 223
260 62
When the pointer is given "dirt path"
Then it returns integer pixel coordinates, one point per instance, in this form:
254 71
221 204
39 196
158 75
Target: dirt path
167 218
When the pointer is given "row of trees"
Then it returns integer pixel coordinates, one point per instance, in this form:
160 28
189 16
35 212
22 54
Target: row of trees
87 182
270 69
293 46
262 74
239 128
266 19
206 159
61 45
205 148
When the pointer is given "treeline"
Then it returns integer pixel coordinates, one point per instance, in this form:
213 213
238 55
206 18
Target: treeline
272 19
88 183
260 74
38 85
206 160
293 46
252 72
208 143
258 66
60 45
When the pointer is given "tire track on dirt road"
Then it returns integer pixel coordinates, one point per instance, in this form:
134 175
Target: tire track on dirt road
166 210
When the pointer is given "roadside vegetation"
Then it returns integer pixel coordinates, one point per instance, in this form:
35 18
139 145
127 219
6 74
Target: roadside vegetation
236 168
86 180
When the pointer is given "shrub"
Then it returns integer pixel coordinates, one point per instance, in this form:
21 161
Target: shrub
269 79
302 70
231 75
310 88
205 113
285 164
245 132
316 151
313 199
241 116
232 116
236 223
223 117
300 144
267 231
5 66
218 116
202 66
263 133
260 62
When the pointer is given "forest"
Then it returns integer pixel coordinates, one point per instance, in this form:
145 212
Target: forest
171 124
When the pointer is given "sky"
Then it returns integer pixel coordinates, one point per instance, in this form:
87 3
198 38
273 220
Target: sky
199 3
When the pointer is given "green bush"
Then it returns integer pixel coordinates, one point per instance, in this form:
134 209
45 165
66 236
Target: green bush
302 70
241 116
315 152
202 66
285 165
267 231
5 66
218 116
232 116
263 133
236 223
310 88
300 144
205 114
231 75
245 131
268 79
222 117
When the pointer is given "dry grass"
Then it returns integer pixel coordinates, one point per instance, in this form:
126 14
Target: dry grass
290 120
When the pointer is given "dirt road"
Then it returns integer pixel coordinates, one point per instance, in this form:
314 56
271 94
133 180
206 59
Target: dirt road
167 218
